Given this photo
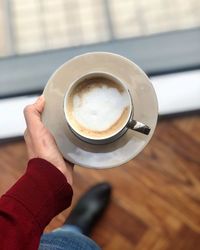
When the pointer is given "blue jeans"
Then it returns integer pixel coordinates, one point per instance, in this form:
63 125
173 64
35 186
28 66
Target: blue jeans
67 237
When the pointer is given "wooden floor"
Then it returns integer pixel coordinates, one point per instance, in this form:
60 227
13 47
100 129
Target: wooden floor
156 197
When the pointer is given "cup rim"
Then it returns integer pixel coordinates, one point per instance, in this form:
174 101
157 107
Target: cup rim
75 83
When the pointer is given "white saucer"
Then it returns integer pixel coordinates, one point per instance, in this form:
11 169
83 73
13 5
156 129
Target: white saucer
144 101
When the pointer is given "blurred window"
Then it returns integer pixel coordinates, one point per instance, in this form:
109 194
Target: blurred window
37 25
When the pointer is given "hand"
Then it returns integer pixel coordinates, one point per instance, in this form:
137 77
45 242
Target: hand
40 142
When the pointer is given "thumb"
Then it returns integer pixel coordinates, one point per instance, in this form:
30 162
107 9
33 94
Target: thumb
32 113
39 104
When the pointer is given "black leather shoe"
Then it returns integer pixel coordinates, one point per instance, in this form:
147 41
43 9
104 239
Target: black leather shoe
90 207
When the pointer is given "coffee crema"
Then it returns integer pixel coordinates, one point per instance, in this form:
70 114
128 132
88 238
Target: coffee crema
97 107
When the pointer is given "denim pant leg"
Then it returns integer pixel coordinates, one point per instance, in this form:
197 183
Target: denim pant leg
67 238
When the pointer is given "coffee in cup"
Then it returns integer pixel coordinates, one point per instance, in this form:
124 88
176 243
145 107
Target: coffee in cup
99 109
97 106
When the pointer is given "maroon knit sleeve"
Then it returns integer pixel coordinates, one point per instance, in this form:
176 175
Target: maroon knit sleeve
25 210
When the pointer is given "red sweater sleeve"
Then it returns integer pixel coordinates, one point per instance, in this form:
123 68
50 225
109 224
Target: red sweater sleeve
39 195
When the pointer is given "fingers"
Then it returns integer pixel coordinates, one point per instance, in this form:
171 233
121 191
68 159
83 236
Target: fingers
32 113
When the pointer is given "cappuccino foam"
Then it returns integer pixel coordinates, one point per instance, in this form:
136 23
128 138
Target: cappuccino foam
98 107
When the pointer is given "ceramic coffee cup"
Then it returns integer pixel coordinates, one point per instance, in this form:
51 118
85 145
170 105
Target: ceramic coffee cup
99 109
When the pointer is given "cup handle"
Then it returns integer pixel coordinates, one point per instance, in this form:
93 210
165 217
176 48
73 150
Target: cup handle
139 127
